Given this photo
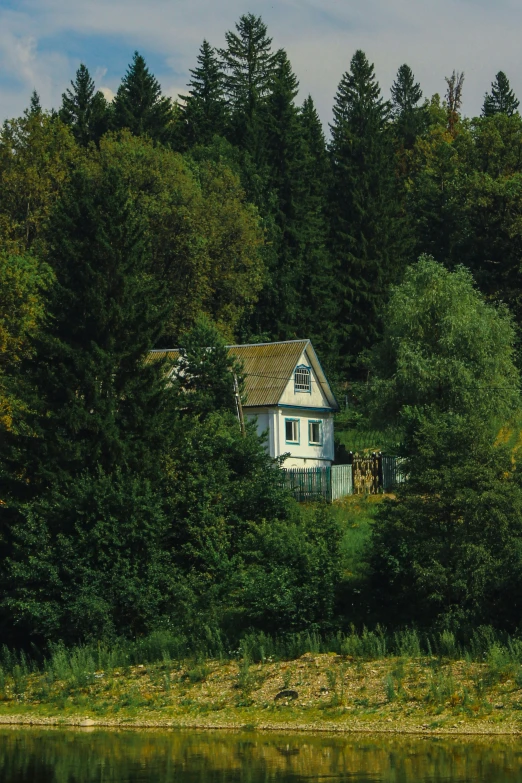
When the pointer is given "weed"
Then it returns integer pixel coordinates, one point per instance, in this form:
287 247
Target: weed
389 688
500 663
407 643
197 673
19 680
441 689
166 682
287 678
245 678
447 645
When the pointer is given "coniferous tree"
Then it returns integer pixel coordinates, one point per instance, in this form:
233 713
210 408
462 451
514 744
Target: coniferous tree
84 476
249 65
501 99
318 305
35 107
409 118
140 106
365 232
205 112
283 146
96 404
84 109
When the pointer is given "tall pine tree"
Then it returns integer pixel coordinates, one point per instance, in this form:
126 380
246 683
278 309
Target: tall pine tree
140 106
365 240
84 108
97 404
205 111
501 99
249 65
283 145
318 305
85 520
409 118
35 106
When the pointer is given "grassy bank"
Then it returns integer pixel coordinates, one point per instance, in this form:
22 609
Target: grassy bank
365 686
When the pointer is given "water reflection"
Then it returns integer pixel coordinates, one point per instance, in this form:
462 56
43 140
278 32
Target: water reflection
98 756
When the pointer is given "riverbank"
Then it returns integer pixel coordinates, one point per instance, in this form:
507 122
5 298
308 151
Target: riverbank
323 692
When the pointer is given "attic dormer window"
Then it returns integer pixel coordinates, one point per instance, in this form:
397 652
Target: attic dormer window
302 380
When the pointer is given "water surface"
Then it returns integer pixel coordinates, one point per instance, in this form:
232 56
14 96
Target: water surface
127 756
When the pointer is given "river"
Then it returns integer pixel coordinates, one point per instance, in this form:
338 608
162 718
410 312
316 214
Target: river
132 756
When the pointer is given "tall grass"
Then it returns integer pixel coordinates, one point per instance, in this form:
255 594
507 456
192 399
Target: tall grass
78 666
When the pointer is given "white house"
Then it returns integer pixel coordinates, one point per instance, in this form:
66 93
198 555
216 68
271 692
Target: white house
288 394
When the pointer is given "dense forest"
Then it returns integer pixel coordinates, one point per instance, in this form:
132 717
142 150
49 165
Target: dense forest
129 503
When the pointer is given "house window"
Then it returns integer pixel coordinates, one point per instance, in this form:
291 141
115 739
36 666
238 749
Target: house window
302 380
292 430
315 433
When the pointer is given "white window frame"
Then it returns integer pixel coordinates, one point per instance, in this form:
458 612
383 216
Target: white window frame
311 422
300 373
296 426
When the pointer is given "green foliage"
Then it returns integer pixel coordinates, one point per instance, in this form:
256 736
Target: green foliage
283 149
88 562
249 66
409 118
140 106
84 109
23 280
501 99
96 403
365 226
317 303
205 112
35 106
203 238
445 349
36 152
289 574
203 376
447 549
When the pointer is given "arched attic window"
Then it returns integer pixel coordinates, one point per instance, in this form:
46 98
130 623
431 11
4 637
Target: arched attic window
302 379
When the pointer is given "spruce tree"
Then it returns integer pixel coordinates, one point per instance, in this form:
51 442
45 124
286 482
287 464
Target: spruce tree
140 106
318 305
365 239
249 65
409 118
205 112
283 148
97 404
501 99
35 107
84 109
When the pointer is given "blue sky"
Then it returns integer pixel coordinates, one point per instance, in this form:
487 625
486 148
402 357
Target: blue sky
42 42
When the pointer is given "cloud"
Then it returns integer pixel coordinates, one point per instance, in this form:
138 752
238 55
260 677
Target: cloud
107 93
42 42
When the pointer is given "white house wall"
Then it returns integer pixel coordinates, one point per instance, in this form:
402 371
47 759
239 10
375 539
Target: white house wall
302 454
315 398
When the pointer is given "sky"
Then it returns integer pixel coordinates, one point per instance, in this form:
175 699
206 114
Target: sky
42 42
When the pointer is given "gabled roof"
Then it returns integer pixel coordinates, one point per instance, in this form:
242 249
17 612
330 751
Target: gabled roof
268 367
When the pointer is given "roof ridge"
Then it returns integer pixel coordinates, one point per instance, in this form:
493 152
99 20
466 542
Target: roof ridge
274 342
239 345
